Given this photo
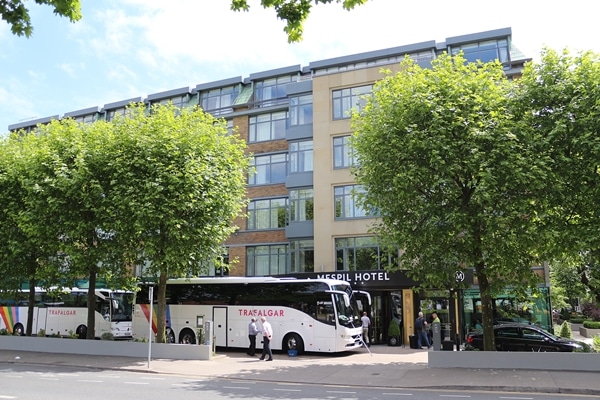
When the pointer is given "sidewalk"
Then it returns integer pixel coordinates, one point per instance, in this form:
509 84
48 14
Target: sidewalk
389 367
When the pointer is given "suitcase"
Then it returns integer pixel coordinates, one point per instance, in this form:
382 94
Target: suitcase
413 341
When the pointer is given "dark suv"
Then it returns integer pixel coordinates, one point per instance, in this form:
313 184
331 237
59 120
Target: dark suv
522 337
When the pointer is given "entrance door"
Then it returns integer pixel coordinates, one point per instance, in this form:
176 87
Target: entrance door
220 326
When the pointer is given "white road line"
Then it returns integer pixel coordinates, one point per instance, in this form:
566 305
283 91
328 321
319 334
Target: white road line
340 392
154 379
516 398
12 376
236 387
136 383
89 380
7 397
108 376
460 396
397 394
288 390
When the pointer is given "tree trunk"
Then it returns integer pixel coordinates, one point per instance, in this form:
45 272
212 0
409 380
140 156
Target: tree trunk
487 314
162 309
30 305
91 303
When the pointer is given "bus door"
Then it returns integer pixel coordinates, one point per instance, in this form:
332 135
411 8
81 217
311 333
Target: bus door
220 326
40 320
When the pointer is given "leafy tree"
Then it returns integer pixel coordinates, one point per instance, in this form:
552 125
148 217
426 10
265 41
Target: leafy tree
293 12
177 180
560 98
458 183
16 14
27 260
67 203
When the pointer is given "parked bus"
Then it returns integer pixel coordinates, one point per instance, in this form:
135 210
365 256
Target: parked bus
319 315
64 312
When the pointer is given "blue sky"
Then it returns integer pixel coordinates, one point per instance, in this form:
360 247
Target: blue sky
132 48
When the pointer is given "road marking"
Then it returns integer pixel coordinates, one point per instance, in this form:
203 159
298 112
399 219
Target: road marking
236 387
137 383
340 392
154 379
397 394
89 380
288 390
517 398
7 397
460 396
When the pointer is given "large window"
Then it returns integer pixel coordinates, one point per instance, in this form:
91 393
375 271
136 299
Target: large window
301 156
302 255
344 100
177 101
269 169
265 127
114 113
485 51
267 214
301 110
361 253
343 156
301 205
219 101
266 260
271 91
345 203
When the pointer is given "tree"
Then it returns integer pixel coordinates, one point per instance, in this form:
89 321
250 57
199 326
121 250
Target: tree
560 98
27 259
176 181
16 14
458 183
293 12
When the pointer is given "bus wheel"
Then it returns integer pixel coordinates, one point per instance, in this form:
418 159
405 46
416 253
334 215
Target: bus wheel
170 335
187 336
293 341
81 332
18 330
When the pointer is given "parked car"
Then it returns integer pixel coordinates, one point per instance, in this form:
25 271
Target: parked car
523 337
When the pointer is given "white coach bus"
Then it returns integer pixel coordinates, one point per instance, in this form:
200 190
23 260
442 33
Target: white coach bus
316 315
64 312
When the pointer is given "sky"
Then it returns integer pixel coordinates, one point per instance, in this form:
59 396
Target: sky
123 49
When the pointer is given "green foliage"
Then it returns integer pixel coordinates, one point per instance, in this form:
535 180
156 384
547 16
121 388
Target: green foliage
591 324
596 343
4 332
393 329
107 336
17 16
565 330
458 183
41 333
293 12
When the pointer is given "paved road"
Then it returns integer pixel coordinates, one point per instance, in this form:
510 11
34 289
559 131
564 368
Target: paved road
385 366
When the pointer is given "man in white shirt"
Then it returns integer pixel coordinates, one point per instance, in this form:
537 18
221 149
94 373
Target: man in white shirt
267 332
366 322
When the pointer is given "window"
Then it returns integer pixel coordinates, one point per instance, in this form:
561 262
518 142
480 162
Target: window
177 101
485 51
219 101
272 91
343 156
345 100
265 127
301 110
302 255
301 205
361 253
269 169
266 260
345 204
86 119
112 114
267 214
301 156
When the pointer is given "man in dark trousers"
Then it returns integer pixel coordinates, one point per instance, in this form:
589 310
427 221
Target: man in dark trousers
252 332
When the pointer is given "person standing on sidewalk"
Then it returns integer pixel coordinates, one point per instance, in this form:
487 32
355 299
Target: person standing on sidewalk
366 323
421 326
252 332
267 333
